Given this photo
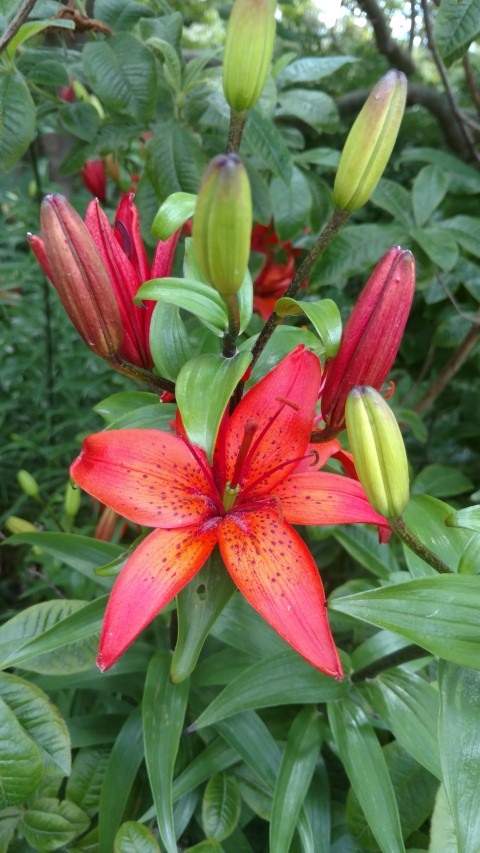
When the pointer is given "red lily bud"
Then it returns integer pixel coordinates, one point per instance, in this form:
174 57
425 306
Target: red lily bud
372 334
94 177
74 266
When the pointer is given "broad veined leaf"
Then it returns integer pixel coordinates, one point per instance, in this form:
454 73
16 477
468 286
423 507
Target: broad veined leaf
170 344
468 518
85 782
195 382
20 760
366 768
441 481
324 316
264 140
443 838
221 806
311 69
429 188
172 214
440 613
457 24
172 66
216 756
463 178
133 837
17 119
113 407
438 245
470 560
460 750
50 823
121 72
291 204
40 720
395 199
314 108
251 738
363 545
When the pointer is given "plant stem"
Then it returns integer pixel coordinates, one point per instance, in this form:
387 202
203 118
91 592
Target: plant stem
336 223
156 383
338 220
22 13
233 312
407 536
235 131
397 658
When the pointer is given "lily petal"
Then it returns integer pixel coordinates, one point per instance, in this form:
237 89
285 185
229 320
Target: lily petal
274 570
147 476
283 405
321 498
126 231
157 570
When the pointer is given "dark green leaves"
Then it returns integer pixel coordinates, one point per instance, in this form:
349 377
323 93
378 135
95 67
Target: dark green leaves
17 119
121 71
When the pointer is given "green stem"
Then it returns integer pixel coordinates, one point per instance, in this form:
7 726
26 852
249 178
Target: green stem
319 436
235 131
44 504
231 335
156 383
411 541
336 223
397 658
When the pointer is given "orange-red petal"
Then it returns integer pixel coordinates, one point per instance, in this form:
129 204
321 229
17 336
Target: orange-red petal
157 570
283 405
321 498
274 570
147 476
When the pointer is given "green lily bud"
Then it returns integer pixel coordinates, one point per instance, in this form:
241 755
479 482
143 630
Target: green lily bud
370 142
378 451
73 497
15 524
222 224
28 484
248 52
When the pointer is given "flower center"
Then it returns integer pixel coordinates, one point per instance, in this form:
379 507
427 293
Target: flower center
233 487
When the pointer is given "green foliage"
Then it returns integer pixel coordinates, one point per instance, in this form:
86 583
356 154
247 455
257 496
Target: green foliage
256 749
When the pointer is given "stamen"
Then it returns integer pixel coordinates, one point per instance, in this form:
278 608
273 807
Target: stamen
388 390
288 403
205 469
276 468
250 429
127 244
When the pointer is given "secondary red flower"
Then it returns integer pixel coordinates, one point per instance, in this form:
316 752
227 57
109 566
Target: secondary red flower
116 261
95 179
277 269
259 484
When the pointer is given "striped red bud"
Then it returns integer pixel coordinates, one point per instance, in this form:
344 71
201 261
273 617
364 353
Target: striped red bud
72 262
372 335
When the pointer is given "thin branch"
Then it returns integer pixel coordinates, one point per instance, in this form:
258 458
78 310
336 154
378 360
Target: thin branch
475 321
470 78
16 22
413 16
450 369
446 82
405 655
387 45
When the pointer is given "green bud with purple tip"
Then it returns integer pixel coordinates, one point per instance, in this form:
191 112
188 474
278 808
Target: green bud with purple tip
370 142
222 224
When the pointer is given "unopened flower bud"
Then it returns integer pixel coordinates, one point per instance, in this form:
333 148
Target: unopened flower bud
248 52
222 224
378 451
72 500
28 483
370 142
15 524
71 260
372 334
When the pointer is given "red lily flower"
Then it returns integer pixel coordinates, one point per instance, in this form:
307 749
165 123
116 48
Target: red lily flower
274 277
246 501
119 255
95 179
